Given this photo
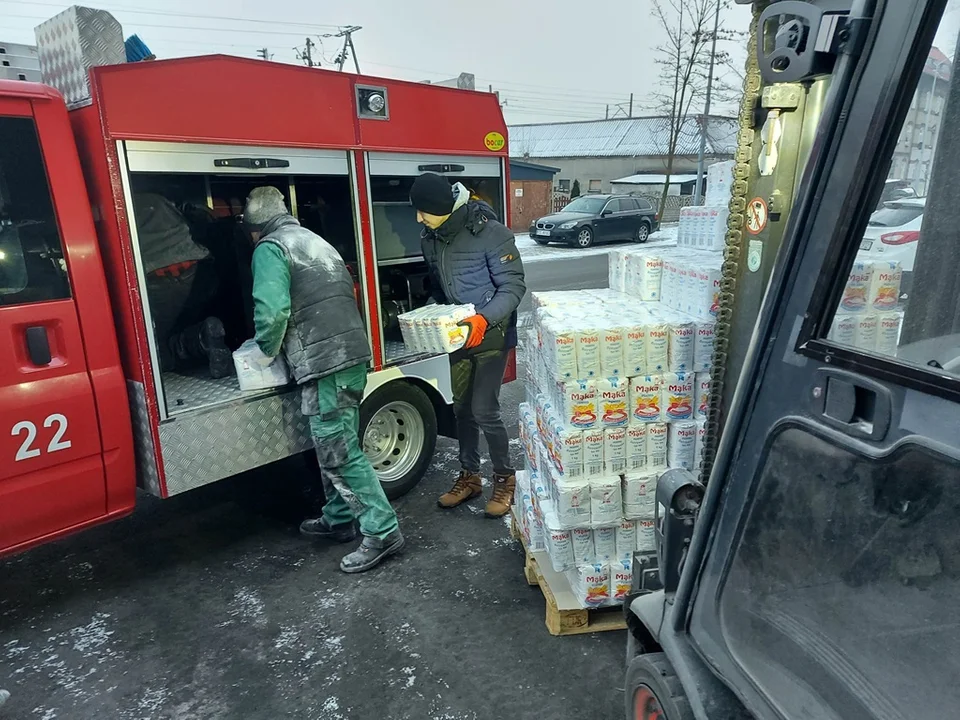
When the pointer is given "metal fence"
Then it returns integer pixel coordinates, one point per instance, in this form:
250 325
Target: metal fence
675 203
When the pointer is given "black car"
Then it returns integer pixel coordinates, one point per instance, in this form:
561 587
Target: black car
598 218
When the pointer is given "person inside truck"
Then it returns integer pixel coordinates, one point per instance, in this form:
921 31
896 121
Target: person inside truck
474 259
304 307
182 286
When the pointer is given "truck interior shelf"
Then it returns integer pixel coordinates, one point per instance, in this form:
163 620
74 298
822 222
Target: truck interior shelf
198 391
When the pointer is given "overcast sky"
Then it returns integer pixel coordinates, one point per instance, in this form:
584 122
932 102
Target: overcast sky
563 60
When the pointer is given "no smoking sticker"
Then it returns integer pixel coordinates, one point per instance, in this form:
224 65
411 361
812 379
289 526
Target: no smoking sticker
757 215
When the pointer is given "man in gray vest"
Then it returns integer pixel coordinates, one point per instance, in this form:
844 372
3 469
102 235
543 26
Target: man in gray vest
304 306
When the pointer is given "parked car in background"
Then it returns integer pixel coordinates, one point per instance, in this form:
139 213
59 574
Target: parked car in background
893 233
895 190
596 219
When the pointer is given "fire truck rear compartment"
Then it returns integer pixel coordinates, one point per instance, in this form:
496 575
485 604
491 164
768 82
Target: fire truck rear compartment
212 206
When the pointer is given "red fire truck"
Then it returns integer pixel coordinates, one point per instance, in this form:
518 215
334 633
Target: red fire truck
87 413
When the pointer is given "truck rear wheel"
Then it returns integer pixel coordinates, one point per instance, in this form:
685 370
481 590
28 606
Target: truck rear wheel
653 692
398 430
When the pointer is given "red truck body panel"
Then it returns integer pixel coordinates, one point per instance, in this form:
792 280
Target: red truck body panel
67 451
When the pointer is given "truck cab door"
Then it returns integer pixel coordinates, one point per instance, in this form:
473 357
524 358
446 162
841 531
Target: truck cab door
52 476
824 576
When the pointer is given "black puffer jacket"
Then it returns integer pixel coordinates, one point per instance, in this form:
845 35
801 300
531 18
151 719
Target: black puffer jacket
474 259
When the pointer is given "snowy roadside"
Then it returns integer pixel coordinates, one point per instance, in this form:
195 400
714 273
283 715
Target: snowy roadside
531 252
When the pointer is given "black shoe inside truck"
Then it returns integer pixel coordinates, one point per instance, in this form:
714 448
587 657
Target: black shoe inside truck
816 573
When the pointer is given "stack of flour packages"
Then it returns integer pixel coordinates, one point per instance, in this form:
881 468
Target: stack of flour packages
705 227
869 315
618 389
435 329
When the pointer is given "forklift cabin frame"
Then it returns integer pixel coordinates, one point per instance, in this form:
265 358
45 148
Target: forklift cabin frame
820 577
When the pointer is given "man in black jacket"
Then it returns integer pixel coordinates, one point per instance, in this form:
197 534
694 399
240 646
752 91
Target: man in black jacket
474 259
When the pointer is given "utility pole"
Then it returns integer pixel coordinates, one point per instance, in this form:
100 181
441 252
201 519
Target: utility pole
608 111
264 54
631 105
308 53
347 35
701 159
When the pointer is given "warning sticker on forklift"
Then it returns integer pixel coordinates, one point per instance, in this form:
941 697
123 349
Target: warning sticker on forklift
754 255
757 216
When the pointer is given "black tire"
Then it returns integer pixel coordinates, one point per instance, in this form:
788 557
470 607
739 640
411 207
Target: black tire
643 233
652 684
584 237
398 399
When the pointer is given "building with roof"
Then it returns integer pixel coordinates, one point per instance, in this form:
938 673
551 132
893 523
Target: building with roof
597 152
913 158
19 62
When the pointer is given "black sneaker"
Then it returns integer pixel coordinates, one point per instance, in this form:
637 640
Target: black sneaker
372 552
319 529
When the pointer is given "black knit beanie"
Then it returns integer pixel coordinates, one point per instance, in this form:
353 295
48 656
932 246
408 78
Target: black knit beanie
432 194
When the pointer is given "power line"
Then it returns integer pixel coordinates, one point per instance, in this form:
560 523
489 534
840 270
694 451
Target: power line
182 27
147 11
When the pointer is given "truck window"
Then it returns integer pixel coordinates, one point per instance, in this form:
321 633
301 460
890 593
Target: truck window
32 268
901 300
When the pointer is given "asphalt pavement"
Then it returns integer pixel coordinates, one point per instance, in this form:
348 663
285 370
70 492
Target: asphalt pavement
211 606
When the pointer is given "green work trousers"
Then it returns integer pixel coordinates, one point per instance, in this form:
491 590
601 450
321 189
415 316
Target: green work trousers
351 485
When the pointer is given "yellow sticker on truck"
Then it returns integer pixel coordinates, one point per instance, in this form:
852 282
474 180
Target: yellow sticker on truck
494 141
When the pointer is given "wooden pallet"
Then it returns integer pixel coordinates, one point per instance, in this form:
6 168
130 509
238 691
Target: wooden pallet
564 616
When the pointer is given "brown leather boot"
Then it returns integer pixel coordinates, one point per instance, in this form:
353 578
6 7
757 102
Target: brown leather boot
466 487
502 500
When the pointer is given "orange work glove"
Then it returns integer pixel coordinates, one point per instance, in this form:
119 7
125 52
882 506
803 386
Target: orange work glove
476 329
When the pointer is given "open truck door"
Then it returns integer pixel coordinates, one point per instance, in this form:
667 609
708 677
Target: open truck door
822 579
65 460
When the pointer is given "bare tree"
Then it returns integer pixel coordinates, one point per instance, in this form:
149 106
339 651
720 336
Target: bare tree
684 60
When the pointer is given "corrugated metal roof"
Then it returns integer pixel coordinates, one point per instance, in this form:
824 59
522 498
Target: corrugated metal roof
623 137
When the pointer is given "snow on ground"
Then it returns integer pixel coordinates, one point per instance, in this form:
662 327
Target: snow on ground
531 252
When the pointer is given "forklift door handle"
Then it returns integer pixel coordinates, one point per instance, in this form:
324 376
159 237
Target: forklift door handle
859 406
